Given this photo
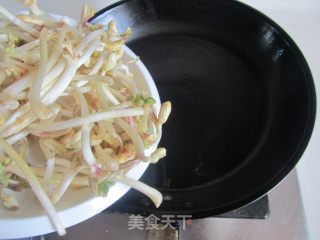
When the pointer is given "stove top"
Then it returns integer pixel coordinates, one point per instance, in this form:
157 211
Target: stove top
280 215
259 209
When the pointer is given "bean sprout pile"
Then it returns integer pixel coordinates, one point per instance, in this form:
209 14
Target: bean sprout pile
65 87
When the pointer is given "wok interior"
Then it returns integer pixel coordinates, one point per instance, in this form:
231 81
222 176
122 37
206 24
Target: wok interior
239 92
219 104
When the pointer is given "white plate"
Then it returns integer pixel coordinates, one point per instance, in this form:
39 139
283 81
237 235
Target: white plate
76 205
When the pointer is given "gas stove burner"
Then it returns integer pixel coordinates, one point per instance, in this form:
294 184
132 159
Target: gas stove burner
156 175
136 203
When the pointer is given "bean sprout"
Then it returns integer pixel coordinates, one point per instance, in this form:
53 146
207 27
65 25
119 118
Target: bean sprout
65 87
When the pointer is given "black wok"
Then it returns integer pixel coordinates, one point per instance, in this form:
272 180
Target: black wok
242 93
